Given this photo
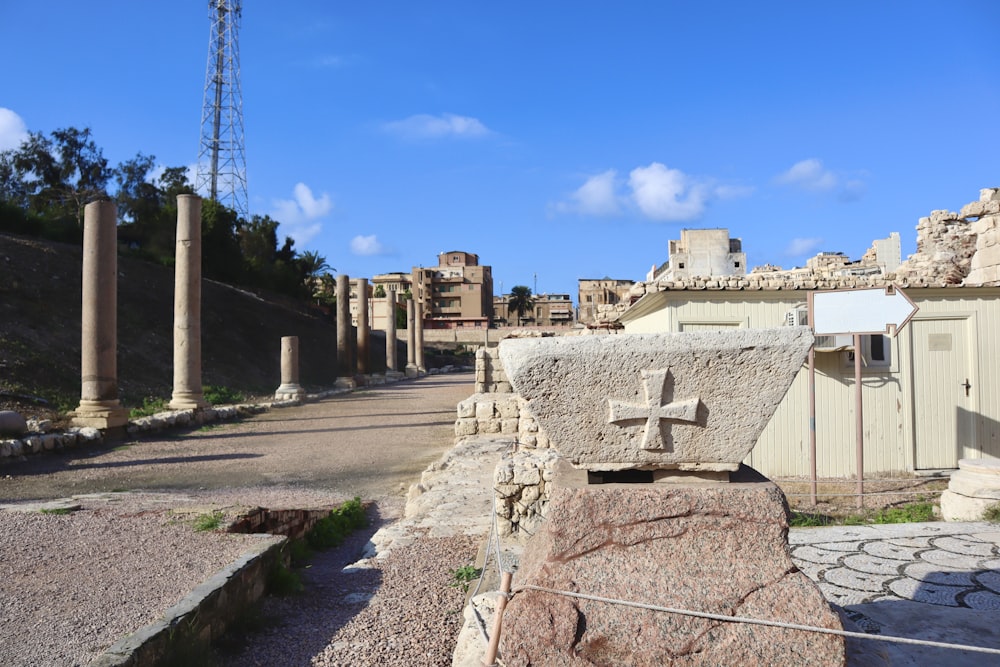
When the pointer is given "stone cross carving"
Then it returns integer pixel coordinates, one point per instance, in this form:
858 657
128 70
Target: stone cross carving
653 411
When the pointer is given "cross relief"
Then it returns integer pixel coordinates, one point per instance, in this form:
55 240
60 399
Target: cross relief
655 436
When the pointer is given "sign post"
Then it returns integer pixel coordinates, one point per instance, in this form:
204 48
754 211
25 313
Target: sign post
855 312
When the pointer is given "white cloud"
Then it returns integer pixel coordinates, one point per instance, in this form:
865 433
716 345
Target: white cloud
803 246
298 216
810 175
426 126
853 190
595 197
13 130
667 194
367 246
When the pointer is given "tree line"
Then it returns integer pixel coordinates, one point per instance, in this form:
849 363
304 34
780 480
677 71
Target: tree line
46 182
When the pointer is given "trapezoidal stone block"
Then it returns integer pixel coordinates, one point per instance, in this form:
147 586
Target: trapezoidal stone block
713 548
687 401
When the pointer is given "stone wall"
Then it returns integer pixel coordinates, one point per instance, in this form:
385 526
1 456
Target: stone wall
984 268
520 479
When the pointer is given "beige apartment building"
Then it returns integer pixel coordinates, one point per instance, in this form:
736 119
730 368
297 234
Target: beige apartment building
593 294
547 310
457 293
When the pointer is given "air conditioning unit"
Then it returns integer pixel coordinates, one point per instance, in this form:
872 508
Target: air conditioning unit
834 343
797 317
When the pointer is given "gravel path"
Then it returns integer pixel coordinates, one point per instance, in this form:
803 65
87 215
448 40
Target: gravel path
71 585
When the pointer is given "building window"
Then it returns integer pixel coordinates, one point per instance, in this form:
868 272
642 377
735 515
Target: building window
680 265
876 353
737 264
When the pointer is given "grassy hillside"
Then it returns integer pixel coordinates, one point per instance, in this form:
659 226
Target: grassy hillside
40 331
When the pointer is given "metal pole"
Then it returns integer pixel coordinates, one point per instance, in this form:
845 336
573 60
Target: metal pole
812 422
860 432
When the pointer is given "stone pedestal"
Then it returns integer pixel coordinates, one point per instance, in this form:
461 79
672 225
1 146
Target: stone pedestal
710 547
99 405
187 394
364 328
390 332
973 488
411 340
289 389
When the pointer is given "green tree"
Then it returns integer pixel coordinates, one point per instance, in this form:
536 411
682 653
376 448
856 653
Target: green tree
379 292
520 301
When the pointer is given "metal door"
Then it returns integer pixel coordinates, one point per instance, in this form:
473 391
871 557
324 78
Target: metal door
944 394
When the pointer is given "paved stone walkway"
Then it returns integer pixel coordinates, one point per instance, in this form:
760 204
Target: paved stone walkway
928 581
949 564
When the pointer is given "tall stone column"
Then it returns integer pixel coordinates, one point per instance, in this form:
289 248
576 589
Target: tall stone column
290 389
99 404
187 306
364 328
411 340
419 332
345 361
390 331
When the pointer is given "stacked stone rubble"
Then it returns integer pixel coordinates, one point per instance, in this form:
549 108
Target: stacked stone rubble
522 484
953 249
985 264
490 376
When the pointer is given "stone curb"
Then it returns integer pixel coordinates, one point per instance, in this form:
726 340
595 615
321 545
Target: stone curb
203 615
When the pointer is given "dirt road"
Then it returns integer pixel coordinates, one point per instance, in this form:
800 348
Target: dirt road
370 443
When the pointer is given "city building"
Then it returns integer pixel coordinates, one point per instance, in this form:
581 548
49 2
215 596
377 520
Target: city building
597 295
547 310
457 293
702 252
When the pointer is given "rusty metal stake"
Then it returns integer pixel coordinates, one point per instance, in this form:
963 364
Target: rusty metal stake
491 651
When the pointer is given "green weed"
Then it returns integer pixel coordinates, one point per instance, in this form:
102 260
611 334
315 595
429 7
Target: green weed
992 513
222 395
150 406
463 576
338 524
283 581
210 521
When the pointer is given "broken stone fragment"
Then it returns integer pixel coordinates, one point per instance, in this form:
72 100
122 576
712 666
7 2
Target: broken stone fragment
687 401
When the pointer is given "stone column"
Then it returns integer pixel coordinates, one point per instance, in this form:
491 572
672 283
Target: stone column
390 332
290 389
99 404
419 332
187 306
364 329
411 340
345 363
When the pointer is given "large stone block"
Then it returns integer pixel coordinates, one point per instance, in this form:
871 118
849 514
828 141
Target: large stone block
688 401
719 549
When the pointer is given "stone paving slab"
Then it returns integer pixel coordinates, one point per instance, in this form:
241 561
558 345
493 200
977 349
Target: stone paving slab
931 581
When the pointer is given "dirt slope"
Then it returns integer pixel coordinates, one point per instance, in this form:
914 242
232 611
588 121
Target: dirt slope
40 331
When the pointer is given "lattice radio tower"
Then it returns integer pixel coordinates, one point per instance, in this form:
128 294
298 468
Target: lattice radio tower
222 163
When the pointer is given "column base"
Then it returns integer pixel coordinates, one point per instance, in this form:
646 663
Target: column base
394 376
187 401
289 392
100 414
345 383
412 371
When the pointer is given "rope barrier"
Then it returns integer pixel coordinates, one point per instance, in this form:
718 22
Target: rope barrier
757 621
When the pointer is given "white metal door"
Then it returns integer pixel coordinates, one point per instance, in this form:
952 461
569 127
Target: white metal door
943 392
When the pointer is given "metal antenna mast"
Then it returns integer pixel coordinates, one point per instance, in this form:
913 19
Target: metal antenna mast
222 162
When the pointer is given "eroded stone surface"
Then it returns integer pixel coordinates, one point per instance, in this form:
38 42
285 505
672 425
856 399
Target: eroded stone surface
688 401
719 549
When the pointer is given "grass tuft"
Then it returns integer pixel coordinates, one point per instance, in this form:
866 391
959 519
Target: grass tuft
209 521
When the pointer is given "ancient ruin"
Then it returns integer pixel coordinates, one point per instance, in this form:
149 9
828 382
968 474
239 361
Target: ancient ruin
693 530
289 389
99 405
187 394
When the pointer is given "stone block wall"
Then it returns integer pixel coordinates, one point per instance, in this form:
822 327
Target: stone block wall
490 376
521 484
497 413
984 268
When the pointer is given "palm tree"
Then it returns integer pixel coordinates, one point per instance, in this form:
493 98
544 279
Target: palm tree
313 265
520 301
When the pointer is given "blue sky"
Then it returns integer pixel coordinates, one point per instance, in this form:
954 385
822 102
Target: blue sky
560 139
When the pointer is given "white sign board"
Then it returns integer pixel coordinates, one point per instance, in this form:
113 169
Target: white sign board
860 311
